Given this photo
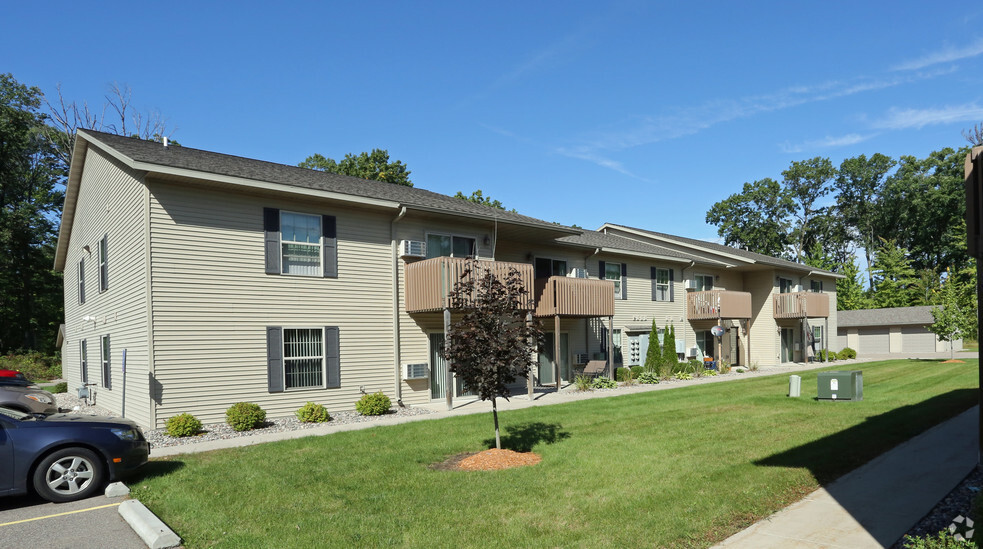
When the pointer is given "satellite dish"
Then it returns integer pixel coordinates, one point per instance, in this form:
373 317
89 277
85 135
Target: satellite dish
717 331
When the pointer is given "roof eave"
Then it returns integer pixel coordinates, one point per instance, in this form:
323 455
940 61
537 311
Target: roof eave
71 197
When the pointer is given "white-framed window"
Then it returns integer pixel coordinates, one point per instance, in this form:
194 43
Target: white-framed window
785 285
84 361
303 358
107 381
816 286
300 244
104 263
662 292
704 282
546 267
612 272
81 280
616 344
706 342
447 245
817 334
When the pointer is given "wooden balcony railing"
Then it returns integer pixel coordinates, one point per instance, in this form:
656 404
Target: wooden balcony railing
583 297
715 304
801 305
429 282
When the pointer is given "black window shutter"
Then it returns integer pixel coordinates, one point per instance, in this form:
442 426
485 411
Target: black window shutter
104 266
271 229
82 280
624 281
329 232
600 270
332 356
274 358
672 286
107 367
655 281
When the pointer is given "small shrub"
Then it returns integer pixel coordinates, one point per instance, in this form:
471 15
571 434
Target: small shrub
683 375
58 388
754 366
942 540
373 404
847 353
313 413
724 366
740 370
602 382
583 383
182 425
648 378
825 356
637 371
711 373
623 374
243 416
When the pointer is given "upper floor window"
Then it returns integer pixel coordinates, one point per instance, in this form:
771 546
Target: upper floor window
443 245
81 280
546 267
662 292
785 285
104 263
300 243
612 272
816 286
704 283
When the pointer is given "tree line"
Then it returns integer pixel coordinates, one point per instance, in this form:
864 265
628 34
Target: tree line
904 218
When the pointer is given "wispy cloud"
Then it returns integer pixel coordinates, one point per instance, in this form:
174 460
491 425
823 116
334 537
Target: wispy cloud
826 143
946 55
899 119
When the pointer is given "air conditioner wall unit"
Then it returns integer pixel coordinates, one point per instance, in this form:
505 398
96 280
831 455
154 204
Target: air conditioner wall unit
412 248
690 285
582 358
693 351
578 273
416 371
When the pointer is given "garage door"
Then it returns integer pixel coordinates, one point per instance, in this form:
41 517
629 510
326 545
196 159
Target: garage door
916 339
874 341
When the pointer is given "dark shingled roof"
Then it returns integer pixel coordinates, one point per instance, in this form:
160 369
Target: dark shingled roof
712 246
896 316
595 239
182 157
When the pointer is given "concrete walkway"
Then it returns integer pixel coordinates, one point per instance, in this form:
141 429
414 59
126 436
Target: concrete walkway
878 503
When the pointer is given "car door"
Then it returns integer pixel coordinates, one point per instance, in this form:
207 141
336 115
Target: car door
6 457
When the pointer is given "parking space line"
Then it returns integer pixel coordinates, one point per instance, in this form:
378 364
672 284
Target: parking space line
59 514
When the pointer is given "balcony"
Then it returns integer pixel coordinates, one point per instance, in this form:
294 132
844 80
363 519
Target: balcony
715 304
429 282
583 297
801 305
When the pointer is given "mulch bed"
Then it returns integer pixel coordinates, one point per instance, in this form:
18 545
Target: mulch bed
956 361
489 460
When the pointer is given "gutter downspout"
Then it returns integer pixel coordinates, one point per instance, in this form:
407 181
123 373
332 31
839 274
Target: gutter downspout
396 354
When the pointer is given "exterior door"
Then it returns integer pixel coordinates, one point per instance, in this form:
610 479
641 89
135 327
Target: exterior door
788 344
545 370
437 382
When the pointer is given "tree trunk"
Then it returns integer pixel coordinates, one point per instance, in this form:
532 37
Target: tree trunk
498 440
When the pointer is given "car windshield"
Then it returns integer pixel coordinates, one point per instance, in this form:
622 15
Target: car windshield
14 414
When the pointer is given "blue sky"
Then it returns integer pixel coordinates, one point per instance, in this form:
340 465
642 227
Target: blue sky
640 113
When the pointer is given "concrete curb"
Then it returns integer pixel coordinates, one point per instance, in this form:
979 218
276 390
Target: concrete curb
151 529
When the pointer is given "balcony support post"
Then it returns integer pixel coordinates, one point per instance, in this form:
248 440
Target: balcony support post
556 350
610 367
529 376
448 381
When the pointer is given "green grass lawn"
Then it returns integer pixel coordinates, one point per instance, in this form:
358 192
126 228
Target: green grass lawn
679 468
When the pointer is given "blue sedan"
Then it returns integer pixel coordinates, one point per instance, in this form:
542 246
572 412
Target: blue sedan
66 457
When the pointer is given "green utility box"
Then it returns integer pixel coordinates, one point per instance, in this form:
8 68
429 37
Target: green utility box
847 385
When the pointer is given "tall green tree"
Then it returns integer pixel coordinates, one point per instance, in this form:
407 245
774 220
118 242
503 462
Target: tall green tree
491 344
806 182
30 202
669 355
859 183
653 356
895 281
950 320
850 294
756 219
374 165
479 198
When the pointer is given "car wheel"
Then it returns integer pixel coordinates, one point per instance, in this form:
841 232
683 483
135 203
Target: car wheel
68 475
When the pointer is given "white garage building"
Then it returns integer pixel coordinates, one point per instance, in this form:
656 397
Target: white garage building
901 330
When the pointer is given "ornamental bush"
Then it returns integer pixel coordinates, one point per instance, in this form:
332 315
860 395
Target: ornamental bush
602 382
373 404
847 353
243 416
313 413
648 378
182 425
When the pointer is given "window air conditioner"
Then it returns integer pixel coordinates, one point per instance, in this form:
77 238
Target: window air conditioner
693 351
691 285
412 248
582 358
415 371
578 273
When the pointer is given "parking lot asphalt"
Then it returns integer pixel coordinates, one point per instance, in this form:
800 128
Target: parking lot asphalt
94 523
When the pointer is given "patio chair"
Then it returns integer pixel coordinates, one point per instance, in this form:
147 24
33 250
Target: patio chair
595 368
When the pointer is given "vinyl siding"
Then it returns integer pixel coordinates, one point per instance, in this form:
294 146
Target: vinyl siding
111 202
212 302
